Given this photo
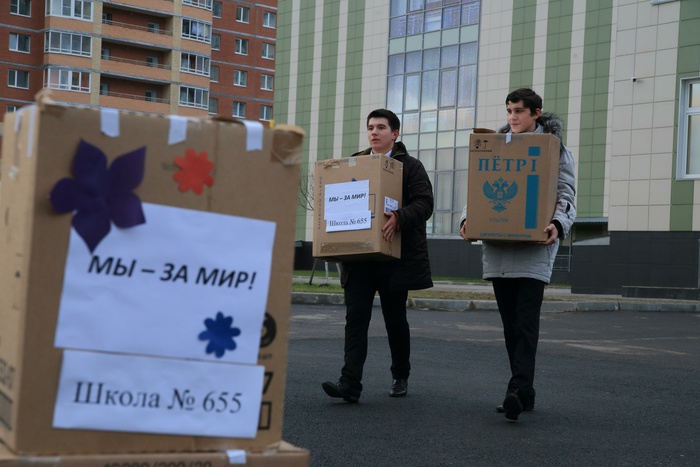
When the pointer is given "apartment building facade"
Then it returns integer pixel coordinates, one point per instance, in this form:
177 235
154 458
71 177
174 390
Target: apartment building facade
624 76
177 57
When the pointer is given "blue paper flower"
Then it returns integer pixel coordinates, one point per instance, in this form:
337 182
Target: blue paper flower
99 196
220 334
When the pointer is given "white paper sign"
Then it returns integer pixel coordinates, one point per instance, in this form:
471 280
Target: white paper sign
390 204
187 284
346 206
100 391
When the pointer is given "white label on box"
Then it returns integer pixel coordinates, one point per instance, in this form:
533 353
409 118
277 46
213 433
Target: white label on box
390 204
186 284
99 391
359 220
346 197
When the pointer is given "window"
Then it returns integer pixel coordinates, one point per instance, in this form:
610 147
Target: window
268 51
151 95
216 11
67 43
266 113
153 27
105 53
21 7
239 109
80 9
240 78
107 18
267 82
213 105
152 61
67 80
242 14
12 108
214 73
206 4
18 79
196 30
104 89
193 63
689 129
215 41
269 19
194 97
242 46
19 42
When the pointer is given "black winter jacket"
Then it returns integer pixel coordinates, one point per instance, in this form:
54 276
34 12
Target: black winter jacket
412 271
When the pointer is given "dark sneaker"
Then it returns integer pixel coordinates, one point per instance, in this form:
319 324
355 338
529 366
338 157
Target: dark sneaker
341 390
528 406
399 388
512 404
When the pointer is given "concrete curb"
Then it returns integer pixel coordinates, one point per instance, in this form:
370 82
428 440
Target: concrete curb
552 306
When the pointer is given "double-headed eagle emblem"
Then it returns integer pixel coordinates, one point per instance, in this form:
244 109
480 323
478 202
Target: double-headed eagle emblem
500 193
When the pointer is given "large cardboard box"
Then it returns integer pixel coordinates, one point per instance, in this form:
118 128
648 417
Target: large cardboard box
350 197
212 175
512 185
285 455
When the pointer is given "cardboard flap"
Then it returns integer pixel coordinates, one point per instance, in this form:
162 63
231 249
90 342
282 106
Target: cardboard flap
286 144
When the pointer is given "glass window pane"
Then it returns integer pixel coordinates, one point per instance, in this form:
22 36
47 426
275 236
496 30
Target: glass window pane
413 62
450 56
414 5
445 159
462 158
693 163
468 53
414 23
410 123
432 4
428 160
431 59
428 122
433 20
396 63
467 86
412 95
448 88
443 190
450 17
398 7
447 119
465 118
394 99
695 95
470 13
397 27
460 194
430 89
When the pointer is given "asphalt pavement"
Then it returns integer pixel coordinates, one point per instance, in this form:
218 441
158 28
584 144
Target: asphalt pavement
614 388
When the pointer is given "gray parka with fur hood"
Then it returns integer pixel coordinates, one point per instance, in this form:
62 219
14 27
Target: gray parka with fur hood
535 260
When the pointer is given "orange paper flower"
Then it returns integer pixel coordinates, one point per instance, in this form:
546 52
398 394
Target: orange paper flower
194 171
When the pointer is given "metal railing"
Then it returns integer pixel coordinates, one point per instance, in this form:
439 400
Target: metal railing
137 62
134 97
137 28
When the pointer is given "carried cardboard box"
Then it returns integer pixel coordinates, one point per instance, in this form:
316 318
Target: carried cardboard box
285 455
512 185
350 197
91 361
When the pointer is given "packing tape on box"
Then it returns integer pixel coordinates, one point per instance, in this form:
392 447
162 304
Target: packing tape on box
177 130
109 122
236 456
254 135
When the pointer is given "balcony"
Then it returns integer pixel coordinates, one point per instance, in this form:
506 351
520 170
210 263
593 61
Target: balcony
141 103
145 70
135 33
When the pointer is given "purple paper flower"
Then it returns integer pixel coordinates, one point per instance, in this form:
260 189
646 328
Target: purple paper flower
220 334
99 196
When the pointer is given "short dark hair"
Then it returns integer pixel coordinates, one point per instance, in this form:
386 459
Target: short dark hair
528 97
394 122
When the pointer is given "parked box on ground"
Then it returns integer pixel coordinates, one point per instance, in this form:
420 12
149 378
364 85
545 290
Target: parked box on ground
350 197
285 455
255 175
512 185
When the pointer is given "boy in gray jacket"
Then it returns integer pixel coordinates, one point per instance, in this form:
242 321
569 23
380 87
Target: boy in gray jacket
519 271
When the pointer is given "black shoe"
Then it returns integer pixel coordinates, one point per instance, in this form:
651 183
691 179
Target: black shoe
528 406
399 388
512 404
341 390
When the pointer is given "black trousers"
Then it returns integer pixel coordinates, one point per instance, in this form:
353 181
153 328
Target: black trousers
519 302
364 280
